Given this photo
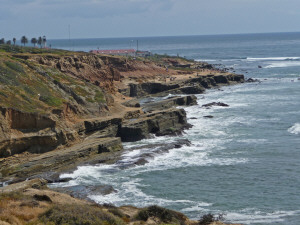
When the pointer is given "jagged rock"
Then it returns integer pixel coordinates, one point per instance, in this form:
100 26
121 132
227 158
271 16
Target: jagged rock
189 86
159 123
215 104
170 102
105 127
83 191
132 103
132 114
251 80
139 90
35 183
90 150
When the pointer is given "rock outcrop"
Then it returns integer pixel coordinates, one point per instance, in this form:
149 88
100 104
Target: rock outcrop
165 122
170 102
188 86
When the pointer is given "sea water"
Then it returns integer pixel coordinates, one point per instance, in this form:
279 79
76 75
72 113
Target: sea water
243 162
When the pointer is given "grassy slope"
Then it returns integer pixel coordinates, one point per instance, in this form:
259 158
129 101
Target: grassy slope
29 87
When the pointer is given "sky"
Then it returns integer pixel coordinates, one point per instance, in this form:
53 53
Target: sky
139 18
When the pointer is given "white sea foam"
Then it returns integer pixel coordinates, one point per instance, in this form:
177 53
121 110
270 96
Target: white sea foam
130 191
245 217
206 60
282 64
295 129
273 58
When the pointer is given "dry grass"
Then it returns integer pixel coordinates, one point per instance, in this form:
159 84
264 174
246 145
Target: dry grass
19 209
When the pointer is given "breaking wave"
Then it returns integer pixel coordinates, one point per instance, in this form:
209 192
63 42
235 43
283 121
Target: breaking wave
295 129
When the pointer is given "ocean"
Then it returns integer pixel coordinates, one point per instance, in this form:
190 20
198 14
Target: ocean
243 162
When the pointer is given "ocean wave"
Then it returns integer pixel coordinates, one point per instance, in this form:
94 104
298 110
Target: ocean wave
245 217
220 60
130 193
273 59
282 64
206 60
295 129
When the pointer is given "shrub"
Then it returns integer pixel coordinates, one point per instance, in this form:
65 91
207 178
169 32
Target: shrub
165 215
210 218
78 215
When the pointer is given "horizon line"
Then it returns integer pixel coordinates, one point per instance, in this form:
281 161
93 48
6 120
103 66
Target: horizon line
187 35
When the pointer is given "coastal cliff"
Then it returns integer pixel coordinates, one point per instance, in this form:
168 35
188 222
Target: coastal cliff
61 109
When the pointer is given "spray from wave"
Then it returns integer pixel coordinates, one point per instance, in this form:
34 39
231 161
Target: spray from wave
295 129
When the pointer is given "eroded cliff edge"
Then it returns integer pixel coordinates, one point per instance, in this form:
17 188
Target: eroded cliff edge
62 109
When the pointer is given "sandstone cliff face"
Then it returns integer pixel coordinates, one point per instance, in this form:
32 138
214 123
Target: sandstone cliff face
90 68
52 100
189 86
160 123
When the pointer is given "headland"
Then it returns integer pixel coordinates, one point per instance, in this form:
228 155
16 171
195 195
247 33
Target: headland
62 109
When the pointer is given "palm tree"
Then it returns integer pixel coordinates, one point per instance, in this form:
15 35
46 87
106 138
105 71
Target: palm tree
40 41
14 40
24 40
34 41
44 41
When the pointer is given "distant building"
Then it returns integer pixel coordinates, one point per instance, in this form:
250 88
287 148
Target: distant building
123 52
143 53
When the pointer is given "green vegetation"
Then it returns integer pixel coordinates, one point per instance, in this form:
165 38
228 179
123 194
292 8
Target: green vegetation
51 101
158 57
24 40
78 215
165 215
210 218
31 87
20 49
99 97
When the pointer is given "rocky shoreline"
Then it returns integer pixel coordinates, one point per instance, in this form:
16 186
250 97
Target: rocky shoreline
103 137
39 146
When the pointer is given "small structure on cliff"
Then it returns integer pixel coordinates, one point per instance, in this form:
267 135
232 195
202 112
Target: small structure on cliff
123 52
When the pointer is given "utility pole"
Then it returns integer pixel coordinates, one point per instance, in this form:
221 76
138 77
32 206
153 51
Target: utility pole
137 45
70 36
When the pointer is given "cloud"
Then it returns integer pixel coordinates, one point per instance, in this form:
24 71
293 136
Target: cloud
83 9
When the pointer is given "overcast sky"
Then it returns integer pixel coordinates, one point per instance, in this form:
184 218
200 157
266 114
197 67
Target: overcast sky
131 18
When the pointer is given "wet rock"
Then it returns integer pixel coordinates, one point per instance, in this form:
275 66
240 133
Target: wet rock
251 80
165 122
83 191
209 116
215 104
150 151
141 161
132 103
170 102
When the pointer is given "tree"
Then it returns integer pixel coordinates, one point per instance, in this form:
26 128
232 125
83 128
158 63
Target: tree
14 40
24 40
34 41
8 42
2 41
44 41
40 41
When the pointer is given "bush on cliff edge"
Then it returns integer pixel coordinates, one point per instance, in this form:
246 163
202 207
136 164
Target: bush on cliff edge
78 215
